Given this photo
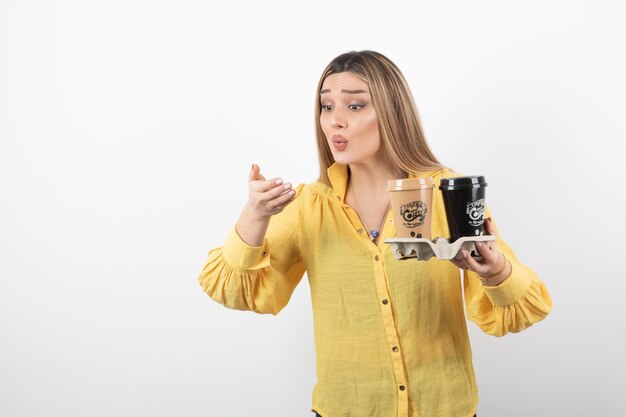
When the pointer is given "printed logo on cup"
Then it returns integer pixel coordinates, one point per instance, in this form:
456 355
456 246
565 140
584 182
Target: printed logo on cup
476 212
413 213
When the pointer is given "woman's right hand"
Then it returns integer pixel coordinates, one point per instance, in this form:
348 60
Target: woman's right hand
267 197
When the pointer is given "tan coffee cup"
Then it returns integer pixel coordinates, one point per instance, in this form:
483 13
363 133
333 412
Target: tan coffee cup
411 204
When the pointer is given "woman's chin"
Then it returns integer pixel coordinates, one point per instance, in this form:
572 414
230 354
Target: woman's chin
342 159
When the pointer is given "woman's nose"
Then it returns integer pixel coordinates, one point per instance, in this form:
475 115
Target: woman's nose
338 120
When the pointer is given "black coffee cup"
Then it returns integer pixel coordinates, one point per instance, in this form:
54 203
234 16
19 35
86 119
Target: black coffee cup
464 203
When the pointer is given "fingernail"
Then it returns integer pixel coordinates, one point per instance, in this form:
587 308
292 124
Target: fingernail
479 244
292 193
279 181
287 186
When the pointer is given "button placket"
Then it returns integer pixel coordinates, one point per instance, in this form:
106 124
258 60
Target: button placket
391 332
353 217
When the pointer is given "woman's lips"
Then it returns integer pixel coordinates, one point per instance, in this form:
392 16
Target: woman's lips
340 143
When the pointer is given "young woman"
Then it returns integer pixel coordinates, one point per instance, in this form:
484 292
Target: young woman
390 336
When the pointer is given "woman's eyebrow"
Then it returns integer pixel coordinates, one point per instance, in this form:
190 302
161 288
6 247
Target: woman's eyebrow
327 90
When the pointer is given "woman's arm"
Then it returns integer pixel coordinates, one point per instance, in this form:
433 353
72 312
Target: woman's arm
501 294
259 265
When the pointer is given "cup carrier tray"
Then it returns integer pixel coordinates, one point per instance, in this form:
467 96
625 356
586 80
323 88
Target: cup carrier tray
423 249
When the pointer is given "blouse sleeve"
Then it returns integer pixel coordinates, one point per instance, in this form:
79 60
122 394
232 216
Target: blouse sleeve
257 278
514 305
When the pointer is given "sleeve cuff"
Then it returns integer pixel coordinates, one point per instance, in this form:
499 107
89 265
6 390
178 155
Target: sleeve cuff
511 289
243 256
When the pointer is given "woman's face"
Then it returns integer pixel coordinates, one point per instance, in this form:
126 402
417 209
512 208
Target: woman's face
348 119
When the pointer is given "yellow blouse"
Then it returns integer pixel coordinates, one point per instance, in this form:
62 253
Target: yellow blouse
390 336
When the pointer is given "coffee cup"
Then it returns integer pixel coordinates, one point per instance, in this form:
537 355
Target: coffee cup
464 204
411 205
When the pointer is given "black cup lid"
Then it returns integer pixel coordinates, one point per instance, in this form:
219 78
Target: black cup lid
462 183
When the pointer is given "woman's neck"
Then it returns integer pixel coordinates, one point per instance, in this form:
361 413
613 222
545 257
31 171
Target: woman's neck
371 180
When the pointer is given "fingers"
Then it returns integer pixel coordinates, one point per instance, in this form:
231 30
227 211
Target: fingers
255 173
488 252
264 186
271 202
461 260
490 229
268 197
258 182
490 258
275 190
470 263
271 206
279 203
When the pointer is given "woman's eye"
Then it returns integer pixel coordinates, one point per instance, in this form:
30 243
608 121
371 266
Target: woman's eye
355 106
326 107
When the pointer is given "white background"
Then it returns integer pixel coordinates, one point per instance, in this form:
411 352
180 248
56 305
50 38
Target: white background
127 130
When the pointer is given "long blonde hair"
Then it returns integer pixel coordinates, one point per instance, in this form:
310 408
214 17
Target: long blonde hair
400 129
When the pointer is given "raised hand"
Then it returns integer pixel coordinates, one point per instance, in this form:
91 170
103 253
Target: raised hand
267 197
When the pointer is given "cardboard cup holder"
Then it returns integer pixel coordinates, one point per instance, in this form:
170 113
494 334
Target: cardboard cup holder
424 249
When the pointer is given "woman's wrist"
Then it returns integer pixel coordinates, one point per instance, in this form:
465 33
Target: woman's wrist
251 227
500 275
497 268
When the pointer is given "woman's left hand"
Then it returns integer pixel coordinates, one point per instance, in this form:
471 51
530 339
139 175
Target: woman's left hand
492 260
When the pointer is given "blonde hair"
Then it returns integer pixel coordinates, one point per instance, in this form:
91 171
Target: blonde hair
400 129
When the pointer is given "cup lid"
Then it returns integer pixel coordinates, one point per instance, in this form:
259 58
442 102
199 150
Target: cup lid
410 184
462 183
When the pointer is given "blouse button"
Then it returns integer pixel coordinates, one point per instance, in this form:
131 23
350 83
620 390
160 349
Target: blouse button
385 301
395 348
359 231
402 387
376 258
338 198
264 253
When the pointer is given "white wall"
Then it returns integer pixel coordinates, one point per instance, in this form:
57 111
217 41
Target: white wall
127 129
